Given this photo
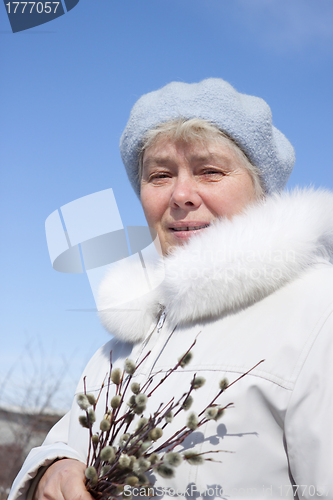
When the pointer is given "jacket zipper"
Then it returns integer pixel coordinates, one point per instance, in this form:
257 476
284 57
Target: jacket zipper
161 321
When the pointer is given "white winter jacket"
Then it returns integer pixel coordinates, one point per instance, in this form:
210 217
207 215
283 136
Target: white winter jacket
257 287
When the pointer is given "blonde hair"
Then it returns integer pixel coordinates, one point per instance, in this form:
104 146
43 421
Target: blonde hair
202 131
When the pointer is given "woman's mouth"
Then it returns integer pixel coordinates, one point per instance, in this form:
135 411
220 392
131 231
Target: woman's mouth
182 231
189 228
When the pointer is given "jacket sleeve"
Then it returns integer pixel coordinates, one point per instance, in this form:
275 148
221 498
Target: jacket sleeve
54 447
309 419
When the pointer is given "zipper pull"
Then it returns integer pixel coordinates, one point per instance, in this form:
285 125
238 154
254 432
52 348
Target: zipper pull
161 321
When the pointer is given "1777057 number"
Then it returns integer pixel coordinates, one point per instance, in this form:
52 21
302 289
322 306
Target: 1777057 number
12 7
301 490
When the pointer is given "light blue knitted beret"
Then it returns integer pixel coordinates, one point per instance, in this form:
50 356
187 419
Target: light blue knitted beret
247 119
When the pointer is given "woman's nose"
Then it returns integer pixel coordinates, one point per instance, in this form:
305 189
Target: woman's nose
185 193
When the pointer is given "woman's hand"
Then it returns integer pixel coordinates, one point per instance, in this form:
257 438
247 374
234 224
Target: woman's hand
63 480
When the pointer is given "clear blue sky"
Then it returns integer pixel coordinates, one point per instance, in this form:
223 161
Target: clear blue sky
67 88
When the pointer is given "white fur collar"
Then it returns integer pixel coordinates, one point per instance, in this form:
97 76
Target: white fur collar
229 266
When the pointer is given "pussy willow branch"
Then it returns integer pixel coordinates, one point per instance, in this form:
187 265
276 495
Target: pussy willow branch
131 376
177 365
87 416
229 385
114 430
115 422
107 484
178 437
108 386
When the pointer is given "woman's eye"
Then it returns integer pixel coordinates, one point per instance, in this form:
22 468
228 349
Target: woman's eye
213 172
160 175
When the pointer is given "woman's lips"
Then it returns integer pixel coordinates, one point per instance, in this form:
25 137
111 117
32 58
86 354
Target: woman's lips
189 228
185 231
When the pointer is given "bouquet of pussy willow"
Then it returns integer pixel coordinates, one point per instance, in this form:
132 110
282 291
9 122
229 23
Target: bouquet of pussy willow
128 444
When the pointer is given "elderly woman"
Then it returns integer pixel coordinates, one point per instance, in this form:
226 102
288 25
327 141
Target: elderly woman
246 271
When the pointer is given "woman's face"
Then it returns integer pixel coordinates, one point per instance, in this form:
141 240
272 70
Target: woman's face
186 186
